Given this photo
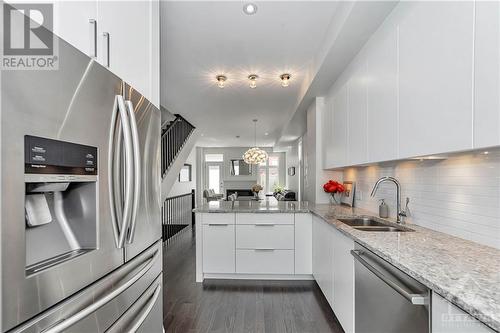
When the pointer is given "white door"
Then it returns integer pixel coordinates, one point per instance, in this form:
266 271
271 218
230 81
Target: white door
213 177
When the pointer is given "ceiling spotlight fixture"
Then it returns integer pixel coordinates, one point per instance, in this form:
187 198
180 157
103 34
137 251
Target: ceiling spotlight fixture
221 81
285 80
255 155
250 8
253 80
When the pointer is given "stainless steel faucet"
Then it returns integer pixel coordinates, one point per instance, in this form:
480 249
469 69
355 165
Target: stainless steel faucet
400 213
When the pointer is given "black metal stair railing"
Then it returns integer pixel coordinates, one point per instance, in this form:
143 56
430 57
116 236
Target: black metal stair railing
177 213
173 138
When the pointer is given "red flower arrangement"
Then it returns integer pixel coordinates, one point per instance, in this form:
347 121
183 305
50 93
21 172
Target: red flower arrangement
333 187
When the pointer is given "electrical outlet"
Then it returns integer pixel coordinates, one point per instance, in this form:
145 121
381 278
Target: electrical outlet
359 195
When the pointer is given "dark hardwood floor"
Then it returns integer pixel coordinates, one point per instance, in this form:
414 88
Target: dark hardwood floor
237 305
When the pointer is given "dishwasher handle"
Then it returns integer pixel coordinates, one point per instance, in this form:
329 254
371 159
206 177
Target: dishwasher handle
416 299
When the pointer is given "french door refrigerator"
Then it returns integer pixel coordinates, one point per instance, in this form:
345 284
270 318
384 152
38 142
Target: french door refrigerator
80 221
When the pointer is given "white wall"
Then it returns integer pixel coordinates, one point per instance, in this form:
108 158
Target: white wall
186 187
292 160
459 196
314 175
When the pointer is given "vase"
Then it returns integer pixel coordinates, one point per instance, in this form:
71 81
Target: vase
335 198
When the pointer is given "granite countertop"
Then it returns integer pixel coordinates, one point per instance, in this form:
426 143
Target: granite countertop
269 205
463 272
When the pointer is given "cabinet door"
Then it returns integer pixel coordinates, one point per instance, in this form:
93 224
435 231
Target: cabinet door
435 77
303 244
72 22
340 124
447 318
218 248
382 122
357 114
327 134
323 257
129 27
487 74
343 283
154 70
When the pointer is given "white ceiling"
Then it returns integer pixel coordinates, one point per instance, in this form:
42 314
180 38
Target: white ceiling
202 39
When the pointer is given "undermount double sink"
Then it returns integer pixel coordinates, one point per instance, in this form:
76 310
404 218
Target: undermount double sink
369 223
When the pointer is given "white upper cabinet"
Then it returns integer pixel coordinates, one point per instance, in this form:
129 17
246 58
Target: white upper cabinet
487 75
122 35
357 116
435 77
339 146
124 40
382 91
76 23
327 133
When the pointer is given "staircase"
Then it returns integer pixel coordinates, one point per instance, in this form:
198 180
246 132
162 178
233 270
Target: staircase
173 138
177 140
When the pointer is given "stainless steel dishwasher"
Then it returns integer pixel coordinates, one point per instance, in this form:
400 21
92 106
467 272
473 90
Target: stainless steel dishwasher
386 299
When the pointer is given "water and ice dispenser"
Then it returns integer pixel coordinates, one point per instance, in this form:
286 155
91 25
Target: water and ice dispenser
61 204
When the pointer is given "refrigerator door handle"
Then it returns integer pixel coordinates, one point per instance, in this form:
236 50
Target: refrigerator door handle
147 309
137 169
73 319
120 230
142 314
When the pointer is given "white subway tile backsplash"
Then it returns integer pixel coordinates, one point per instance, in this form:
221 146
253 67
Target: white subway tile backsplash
459 195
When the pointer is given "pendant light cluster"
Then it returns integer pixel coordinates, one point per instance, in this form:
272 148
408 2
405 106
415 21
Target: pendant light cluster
252 80
255 155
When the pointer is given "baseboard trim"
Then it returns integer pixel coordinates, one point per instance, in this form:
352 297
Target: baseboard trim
258 276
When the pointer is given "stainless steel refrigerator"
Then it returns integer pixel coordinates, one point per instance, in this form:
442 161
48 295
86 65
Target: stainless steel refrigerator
80 225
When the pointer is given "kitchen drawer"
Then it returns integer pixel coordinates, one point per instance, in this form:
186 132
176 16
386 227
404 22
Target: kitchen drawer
265 261
217 218
263 218
265 236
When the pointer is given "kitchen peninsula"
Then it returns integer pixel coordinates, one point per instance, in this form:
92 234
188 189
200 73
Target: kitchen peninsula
297 240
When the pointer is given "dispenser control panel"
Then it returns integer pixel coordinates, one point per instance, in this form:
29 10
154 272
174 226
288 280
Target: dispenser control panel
47 156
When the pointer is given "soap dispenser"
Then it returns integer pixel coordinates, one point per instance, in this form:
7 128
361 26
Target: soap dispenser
383 209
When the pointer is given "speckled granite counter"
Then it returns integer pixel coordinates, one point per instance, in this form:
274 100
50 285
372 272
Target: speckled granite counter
262 206
465 273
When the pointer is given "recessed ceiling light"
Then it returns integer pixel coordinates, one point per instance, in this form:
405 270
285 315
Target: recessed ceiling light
253 80
221 81
486 152
266 133
285 79
250 8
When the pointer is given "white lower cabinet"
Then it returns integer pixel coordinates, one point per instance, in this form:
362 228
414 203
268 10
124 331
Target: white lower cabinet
447 318
264 261
303 243
333 270
263 244
343 282
218 248
322 252
218 244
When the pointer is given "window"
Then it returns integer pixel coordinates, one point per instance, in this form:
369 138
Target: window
214 157
269 174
